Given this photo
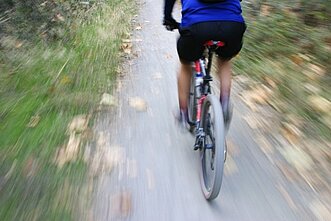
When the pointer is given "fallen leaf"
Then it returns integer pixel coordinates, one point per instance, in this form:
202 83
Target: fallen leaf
73 146
126 45
298 158
69 152
127 51
78 124
18 44
126 40
265 10
296 59
319 103
121 204
272 83
317 69
138 103
304 57
311 88
60 17
260 94
291 133
34 120
247 99
65 80
108 100
230 167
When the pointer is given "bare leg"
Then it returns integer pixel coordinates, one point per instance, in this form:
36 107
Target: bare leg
184 81
225 75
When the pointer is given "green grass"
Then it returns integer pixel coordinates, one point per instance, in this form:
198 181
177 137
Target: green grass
55 81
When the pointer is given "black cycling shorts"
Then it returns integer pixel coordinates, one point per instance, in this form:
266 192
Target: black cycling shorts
190 43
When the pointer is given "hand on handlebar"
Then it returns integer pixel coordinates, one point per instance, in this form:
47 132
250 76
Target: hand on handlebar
170 24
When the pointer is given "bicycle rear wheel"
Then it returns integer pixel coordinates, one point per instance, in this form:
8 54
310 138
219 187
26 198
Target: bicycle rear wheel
213 150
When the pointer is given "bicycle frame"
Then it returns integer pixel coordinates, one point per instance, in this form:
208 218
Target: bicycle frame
202 69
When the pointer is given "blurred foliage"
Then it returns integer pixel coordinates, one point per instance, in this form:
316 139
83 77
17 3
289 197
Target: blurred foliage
311 12
35 19
288 43
56 59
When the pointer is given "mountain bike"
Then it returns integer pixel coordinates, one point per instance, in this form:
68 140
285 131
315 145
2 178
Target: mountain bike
206 120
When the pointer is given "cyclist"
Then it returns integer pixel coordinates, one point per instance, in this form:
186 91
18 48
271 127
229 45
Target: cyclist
220 21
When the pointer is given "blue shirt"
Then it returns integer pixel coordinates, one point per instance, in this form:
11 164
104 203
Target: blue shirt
193 11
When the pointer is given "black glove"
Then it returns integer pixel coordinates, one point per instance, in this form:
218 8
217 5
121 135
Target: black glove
170 24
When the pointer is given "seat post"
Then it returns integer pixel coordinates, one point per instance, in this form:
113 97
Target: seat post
210 57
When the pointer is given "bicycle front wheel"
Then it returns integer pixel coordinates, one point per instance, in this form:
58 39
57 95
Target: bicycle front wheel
212 153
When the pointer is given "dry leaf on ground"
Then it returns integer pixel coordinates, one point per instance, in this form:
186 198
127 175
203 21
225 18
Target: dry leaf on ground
65 80
265 10
108 100
298 158
138 103
34 120
18 44
258 95
127 48
69 152
126 40
121 204
317 69
59 17
291 133
78 124
319 103
230 167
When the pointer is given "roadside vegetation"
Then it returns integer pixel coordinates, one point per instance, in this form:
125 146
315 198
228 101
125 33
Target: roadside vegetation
56 60
286 61
288 49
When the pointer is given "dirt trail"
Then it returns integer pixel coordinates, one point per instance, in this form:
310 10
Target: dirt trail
149 170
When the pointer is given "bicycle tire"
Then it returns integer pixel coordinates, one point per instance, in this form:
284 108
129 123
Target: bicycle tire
212 188
192 104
